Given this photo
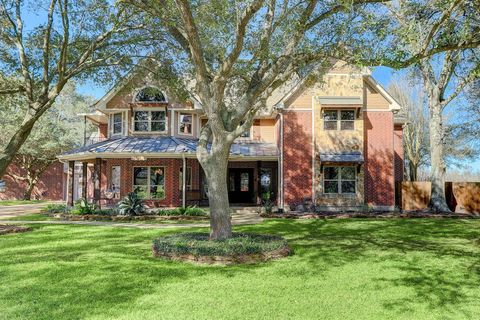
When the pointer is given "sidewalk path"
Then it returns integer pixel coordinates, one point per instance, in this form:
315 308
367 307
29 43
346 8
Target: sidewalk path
245 217
20 210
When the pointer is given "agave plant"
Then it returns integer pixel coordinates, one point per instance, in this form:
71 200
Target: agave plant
131 205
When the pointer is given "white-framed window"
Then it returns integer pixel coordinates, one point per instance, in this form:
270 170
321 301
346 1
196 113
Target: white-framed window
340 179
115 179
116 124
188 179
150 94
149 182
185 123
339 119
149 121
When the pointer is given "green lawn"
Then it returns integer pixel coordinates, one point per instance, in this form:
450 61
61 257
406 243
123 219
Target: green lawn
342 269
30 217
45 217
19 202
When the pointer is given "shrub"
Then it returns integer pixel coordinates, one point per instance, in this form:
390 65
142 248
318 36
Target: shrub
189 211
169 212
194 211
82 206
56 208
106 212
267 202
131 205
199 244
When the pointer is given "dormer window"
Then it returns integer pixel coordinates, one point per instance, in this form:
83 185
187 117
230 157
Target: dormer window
150 121
116 124
150 94
185 123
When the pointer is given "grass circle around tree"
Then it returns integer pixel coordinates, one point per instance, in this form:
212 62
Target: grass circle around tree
241 248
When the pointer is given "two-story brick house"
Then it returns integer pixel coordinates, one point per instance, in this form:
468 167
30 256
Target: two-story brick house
336 143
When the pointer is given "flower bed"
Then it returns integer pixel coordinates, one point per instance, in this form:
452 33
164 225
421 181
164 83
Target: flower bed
240 248
4 229
374 215
103 217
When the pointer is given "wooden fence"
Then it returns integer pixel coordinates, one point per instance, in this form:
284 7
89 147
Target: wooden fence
462 197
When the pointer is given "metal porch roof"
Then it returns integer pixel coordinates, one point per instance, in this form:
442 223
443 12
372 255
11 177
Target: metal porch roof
171 145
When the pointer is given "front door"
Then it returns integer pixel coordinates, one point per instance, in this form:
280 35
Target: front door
240 185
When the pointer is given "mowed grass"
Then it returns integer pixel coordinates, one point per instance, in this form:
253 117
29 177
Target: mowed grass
341 269
19 202
31 217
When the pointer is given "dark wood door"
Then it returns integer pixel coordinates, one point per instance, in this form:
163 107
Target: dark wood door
240 185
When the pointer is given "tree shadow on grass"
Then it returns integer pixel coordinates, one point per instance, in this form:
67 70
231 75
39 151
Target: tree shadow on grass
56 271
439 260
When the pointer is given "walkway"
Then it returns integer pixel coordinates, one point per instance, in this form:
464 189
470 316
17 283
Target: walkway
239 217
20 210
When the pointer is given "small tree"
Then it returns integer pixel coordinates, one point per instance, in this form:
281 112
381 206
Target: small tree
58 131
450 31
81 39
415 130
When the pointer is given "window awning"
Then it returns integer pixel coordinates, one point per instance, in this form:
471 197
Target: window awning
343 157
347 102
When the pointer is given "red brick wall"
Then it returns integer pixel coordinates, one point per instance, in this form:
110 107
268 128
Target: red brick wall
379 158
398 148
50 186
173 193
297 156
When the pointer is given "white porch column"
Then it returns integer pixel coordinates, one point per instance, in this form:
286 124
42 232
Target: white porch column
184 179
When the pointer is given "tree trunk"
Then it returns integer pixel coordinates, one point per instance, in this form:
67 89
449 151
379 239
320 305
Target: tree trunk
28 192
413 171
438 202
16 141
215 168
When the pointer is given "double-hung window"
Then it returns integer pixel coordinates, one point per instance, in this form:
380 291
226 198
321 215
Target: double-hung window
150 121
149 182
339 120
116 124
185 123
339 180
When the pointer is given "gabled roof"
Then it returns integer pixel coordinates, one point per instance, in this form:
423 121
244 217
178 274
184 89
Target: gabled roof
394 105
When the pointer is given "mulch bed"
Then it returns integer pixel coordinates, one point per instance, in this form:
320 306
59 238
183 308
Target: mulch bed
225 260
241 248
371 215
4 229
99 217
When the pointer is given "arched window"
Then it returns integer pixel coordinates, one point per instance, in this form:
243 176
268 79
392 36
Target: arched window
150 94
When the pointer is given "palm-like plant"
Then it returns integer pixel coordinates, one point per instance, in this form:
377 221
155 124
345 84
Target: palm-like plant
131 205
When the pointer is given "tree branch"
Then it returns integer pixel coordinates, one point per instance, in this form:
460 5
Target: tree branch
193 41
227 65
46 48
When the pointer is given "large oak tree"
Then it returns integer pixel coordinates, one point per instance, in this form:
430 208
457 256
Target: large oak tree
235 54
45 44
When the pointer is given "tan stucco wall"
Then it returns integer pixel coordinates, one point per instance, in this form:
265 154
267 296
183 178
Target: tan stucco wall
373 99
264 130
338 82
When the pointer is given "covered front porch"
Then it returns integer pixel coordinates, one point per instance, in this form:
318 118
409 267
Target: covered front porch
104 173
